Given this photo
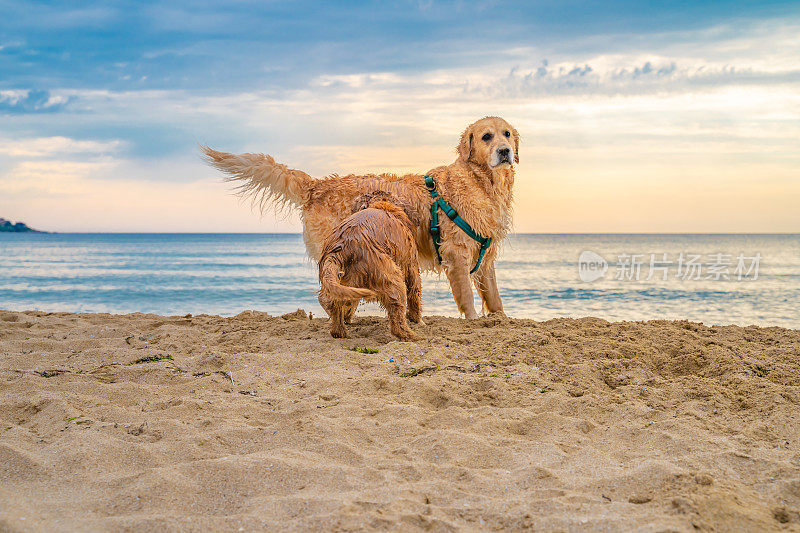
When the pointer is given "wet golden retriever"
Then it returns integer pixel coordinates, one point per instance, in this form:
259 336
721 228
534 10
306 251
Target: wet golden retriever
372 255
478 184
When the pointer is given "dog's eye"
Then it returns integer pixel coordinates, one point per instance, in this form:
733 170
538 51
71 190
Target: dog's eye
507 133
487 137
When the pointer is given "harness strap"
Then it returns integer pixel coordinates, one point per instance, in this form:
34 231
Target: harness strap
436 234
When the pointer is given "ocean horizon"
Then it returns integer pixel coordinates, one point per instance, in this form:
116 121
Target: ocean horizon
715 278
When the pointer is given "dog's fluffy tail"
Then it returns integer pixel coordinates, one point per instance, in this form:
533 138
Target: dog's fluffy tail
331 287
261 178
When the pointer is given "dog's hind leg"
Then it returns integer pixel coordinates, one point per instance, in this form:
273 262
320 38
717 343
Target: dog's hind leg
338 329
394 297
414 294
397 319
349 310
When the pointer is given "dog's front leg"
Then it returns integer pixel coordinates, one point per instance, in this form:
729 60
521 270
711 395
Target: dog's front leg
486 283
458 275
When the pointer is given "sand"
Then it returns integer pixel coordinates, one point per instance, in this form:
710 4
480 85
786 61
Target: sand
266 423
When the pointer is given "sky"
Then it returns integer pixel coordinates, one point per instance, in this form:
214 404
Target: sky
634 116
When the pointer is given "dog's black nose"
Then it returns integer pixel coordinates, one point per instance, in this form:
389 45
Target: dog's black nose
504 152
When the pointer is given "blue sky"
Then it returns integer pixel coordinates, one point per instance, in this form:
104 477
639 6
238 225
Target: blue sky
214 47
635 117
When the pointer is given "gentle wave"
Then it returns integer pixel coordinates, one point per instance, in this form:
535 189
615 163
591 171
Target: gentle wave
537 274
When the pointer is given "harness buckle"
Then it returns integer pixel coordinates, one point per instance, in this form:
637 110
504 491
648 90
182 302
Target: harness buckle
430 184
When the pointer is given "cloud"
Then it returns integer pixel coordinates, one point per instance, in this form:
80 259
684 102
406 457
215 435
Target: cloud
56 146
655 75
51 178
31 101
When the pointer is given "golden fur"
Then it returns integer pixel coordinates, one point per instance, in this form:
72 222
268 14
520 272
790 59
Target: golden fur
476 184
371 255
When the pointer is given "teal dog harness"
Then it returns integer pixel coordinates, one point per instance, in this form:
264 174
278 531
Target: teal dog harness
436 234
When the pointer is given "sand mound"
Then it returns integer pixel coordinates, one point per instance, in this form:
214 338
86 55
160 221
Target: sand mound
142 422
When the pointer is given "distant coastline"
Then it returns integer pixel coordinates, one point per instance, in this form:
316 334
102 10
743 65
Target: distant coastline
6 226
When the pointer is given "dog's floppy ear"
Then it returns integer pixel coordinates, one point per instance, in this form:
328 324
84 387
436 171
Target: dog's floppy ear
465 146
516 145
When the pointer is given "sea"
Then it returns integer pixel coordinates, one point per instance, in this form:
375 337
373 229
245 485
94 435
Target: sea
714 279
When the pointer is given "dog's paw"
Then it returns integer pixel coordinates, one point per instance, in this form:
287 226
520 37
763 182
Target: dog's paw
407 336
417 321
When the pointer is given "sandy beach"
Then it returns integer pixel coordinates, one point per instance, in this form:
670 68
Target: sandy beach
150 423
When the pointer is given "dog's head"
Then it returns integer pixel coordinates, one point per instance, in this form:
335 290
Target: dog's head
491 142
